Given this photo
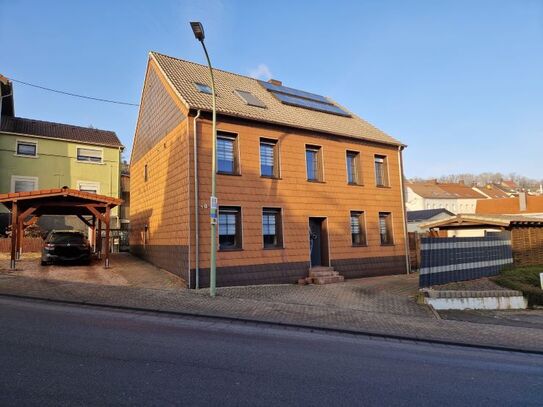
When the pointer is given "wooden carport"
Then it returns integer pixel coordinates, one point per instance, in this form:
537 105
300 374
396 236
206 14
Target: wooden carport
27 207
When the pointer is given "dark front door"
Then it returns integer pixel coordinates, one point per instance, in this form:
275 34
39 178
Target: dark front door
315 241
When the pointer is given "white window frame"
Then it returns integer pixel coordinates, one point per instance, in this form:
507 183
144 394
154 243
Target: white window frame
90 148
15 178
25 141
94 183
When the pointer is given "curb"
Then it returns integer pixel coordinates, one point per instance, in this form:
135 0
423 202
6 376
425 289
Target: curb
283 325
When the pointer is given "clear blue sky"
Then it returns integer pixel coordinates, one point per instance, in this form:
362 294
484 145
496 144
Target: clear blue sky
460 82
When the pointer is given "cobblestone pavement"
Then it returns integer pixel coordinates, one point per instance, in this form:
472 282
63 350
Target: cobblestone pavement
389 294
375 319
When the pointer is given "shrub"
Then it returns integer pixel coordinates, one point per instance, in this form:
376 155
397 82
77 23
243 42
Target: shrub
525 279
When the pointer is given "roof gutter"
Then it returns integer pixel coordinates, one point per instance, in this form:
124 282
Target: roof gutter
196 206
405 234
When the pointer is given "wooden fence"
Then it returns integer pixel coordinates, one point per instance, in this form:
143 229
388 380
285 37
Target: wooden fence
30 244
527 243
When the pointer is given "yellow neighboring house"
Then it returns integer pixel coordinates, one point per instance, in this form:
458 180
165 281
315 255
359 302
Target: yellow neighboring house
36 154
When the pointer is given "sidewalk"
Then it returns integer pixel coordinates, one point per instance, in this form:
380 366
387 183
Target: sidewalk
364 306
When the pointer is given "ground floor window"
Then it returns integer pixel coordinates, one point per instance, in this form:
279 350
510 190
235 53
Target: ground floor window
23 184
89 186
271 227
385 228
229 228
358 228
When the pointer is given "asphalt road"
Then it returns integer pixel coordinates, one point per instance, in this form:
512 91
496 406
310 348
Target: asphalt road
54 354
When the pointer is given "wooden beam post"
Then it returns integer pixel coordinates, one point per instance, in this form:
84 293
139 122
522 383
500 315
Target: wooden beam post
108 212
20 236
93 234
99 239
14 218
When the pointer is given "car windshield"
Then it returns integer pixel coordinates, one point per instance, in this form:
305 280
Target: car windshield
68 237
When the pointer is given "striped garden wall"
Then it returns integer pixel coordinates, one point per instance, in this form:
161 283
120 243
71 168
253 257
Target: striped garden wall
445 260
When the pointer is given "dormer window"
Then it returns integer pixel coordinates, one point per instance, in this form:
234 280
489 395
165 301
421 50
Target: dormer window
203 88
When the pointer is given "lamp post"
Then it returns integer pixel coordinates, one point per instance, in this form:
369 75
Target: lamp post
198 31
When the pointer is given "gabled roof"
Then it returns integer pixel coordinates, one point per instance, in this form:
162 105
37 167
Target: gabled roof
494 191
184 74
444 191
510 184
59 131
426 214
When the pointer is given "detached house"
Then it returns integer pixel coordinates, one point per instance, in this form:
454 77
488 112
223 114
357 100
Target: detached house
302 182
457 198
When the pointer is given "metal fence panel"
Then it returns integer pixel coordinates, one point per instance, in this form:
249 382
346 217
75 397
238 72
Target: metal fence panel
445 260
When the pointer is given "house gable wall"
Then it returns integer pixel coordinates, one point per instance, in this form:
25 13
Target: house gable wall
159 211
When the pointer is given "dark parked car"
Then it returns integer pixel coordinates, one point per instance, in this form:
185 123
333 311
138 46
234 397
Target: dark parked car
65 246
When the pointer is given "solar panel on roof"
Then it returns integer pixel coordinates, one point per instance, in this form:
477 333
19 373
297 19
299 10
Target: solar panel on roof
310 104
294 92
249 98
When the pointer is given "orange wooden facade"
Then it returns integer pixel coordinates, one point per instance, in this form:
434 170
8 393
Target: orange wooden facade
162 201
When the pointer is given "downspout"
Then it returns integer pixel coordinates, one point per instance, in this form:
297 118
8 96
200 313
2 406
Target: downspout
405 234
196 207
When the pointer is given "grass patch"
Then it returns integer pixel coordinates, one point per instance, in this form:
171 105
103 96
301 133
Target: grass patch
525 279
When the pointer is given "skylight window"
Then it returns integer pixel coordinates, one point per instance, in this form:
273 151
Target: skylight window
202 88
249 98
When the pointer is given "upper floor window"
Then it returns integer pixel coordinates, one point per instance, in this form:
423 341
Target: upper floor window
271 227
269 158
229 227
92 155
27 148
358 228
385 228
381 171
353 168
227 162
313 159
23 184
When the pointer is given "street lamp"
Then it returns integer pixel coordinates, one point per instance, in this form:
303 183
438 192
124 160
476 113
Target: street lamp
198 31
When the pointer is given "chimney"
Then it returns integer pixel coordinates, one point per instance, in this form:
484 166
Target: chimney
522 201
275 82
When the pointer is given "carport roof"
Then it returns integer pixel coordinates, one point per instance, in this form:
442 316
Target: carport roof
464 220
61 201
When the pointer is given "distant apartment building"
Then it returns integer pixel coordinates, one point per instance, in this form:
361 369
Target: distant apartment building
456 198
36 154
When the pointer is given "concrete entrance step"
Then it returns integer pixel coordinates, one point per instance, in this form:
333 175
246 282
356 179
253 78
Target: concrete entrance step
321 275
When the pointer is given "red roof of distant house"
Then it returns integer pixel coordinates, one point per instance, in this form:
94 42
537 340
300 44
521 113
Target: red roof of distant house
494 191
437 190
534 204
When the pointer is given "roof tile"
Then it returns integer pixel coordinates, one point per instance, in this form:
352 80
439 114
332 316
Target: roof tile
183 74
59 131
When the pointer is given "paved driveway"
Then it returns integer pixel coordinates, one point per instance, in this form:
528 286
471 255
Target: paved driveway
125 270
